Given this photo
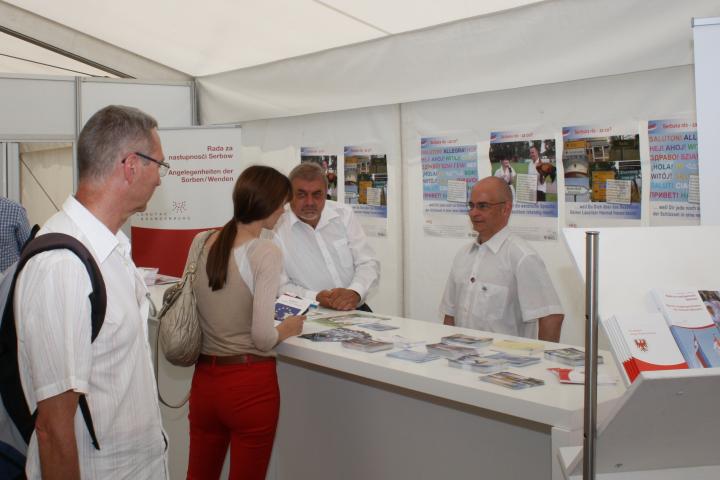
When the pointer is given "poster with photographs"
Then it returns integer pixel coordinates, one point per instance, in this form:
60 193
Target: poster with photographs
603 178
328 162
526 161
674 175
366 186
450 169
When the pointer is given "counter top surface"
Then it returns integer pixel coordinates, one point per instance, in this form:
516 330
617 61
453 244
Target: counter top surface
553 404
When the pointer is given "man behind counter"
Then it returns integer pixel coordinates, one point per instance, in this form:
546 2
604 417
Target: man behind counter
499 283
325 251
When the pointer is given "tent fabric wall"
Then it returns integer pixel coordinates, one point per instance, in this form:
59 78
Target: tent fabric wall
413 286
51 33
663 93
548 42
277 143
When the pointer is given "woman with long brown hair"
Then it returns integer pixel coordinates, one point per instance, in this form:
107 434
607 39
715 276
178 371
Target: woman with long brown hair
234 398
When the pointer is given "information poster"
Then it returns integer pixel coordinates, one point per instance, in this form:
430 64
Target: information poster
527 162
674 181
195 195
603 178
366 181
328 162
449 167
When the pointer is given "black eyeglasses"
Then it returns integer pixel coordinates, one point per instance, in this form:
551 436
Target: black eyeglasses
483 206
164 167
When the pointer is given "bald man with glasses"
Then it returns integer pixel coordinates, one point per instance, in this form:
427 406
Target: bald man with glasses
499 283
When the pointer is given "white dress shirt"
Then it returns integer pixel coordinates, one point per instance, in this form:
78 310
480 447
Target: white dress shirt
114 372
499 286
334 254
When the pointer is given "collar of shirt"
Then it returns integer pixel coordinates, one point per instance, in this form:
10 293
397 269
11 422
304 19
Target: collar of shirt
101 239
495 241
328 213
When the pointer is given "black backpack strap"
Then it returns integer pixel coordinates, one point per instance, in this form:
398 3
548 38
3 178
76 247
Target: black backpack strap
85 410
17 408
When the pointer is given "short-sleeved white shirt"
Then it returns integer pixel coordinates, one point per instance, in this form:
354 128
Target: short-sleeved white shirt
499 286
115 371
334 254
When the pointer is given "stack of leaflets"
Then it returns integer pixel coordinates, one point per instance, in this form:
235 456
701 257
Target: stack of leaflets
569 356
403 342
642 342
466 340
367 345
512 380
161 279
515 360
339 320
378 327
692 316
287 305
335 335
477 363
511 344
449 351
413 356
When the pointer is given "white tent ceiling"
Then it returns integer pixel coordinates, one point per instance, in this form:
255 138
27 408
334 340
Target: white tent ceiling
203 38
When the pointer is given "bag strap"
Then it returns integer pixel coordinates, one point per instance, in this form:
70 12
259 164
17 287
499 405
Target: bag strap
98 304
196 249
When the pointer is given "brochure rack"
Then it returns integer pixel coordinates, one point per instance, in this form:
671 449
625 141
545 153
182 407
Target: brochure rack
667 423
666 426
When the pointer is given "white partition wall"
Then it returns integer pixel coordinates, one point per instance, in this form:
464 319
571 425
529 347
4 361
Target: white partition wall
706 34
632 97
277 143
172 104
37 107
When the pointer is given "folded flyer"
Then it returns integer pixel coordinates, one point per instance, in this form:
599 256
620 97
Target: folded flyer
287 305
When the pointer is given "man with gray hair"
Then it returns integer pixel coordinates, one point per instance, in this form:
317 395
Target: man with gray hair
120 162
499 283
325 251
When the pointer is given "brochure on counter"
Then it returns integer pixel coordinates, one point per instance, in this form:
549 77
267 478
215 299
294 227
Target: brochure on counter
642 342
577 377
693 317
569 356
512 380
288 305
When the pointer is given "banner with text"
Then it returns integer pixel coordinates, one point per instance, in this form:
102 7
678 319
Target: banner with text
195 195
674 179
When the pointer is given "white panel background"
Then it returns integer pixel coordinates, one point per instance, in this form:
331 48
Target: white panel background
707 73
277 143
37 107
637 96
170 104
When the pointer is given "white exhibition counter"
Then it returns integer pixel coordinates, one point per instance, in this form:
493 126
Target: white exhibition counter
347 414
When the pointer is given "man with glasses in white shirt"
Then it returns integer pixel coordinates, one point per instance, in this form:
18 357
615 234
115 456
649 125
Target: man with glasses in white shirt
325 251
499 283
120 162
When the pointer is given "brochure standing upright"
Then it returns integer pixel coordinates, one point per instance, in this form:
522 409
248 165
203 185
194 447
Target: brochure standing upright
666 425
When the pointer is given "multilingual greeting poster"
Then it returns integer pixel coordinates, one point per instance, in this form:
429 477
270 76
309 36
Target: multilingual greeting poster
328 162
674 180
449 167
527 162
603 179
366 184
